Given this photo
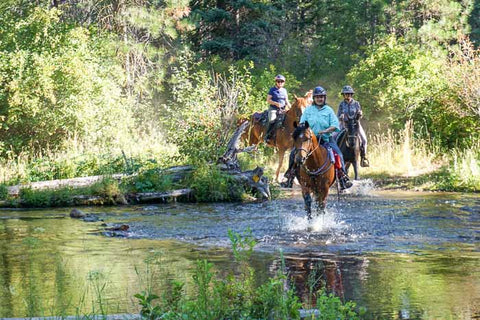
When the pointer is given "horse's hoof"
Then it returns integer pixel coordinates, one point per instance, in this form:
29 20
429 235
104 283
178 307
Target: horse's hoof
364 163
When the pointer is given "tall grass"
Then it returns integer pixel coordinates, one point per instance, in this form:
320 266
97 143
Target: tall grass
399 154
428 164
79 160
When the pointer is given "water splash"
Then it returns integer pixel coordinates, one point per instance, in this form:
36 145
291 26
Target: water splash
321 223
363 187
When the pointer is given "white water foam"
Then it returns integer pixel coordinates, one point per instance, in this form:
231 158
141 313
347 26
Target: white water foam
363 187
320 223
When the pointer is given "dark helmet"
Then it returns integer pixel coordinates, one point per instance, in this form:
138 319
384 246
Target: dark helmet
319 91
347 89
279 77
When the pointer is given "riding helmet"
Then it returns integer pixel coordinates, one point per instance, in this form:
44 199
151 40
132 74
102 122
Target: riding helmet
319 91
347 89
279 77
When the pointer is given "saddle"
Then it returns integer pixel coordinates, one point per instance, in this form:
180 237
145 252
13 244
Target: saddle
333 156
261 117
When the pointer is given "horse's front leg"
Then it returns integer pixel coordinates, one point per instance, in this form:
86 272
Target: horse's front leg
307 199
355 168
321 199
281 154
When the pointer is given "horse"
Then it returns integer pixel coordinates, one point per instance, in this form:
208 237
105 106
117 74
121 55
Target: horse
283 141
314 168
349 143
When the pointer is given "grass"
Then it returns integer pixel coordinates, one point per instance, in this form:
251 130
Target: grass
398 160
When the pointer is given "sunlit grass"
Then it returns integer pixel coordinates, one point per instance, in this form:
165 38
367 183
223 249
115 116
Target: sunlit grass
78 160
398 154
429 167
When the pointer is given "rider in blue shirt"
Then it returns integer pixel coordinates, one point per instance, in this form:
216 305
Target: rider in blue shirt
323 122
277 98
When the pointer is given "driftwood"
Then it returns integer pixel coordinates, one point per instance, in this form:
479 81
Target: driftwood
159 196
228 163
56 184
252 179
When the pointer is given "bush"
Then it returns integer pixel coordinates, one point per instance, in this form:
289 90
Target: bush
399 81
209 184
150 180
3 191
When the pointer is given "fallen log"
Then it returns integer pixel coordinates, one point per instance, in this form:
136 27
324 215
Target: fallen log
158 196
60 183
251 179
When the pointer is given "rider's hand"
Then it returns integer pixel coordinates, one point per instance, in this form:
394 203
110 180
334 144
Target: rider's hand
360 114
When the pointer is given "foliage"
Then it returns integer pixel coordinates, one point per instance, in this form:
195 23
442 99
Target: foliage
56 85
210 184
108 189
148 180
400 82
331 307
203 109
3 191
46 198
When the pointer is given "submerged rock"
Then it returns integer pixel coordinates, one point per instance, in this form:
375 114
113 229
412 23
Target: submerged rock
77 214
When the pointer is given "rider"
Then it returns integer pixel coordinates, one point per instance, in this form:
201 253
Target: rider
277 98
350 107
323 122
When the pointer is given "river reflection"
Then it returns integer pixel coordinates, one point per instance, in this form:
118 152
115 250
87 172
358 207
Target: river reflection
401 256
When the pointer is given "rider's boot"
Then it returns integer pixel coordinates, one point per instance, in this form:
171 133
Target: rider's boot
364 161
268 134
290 177
290 173
343 179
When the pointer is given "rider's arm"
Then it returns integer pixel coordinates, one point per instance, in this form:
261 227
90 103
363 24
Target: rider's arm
271 102
360 112
287 103
328 130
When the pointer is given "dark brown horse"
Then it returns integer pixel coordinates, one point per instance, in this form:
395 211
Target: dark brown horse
283 141
314 169
349 143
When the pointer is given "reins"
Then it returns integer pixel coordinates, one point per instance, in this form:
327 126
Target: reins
324 168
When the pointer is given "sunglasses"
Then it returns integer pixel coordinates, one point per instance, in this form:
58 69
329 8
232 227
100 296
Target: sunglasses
280 81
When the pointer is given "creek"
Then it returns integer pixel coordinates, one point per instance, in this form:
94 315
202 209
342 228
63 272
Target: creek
401 255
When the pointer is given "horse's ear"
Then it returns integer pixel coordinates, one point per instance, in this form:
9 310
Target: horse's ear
295 97
295 124
307 125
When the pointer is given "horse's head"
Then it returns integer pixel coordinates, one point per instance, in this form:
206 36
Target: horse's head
298 106
304 141
351 125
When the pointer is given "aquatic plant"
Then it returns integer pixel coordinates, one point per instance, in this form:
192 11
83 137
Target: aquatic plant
237 296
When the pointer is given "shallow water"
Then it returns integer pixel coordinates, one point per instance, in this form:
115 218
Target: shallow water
401 255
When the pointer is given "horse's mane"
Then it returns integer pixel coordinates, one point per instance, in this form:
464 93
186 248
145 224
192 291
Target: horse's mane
299 130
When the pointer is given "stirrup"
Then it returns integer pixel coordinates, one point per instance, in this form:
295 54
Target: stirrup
287 184
345 182
364 162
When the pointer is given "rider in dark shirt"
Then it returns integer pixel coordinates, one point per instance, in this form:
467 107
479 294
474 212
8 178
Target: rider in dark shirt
350 108
277 98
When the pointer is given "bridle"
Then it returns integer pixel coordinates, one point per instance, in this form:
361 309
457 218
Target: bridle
323 168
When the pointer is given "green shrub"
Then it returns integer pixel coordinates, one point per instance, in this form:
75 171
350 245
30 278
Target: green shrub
209 184
46 198
3 191
150 180
238 296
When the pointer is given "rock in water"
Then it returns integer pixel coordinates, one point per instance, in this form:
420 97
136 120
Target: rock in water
77 214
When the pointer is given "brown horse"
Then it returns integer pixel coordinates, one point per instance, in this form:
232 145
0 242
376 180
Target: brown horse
314 169
283 141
